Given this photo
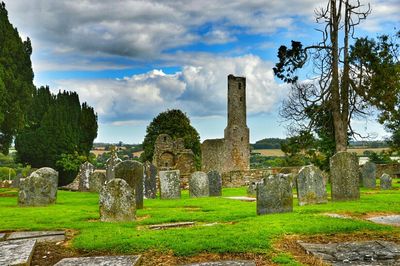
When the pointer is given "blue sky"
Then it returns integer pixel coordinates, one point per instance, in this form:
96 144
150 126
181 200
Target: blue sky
131 60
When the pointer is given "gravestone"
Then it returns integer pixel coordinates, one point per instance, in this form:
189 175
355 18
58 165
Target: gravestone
150 181
310 186
170 184
85 170
368 175
252 188
15 181
96 181
101 261
215 183
386 181
132 173
199 185
274 194
38 189
17 252
344 177
117 201
111 163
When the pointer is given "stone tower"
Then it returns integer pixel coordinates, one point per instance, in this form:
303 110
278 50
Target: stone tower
231 153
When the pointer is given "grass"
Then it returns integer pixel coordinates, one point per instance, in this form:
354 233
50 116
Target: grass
237 228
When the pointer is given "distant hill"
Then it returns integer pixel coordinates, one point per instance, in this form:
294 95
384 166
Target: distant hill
268 143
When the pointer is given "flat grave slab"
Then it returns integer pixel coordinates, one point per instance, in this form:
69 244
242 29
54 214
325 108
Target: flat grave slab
388 220
250 199
40 236
101 261
170 225
2 236
17 252
336 215
225 263
355 253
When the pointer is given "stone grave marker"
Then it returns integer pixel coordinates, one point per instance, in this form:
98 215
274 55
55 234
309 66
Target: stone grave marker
344 177
117 202
310 186
132 173
101 261
215 183
17 252
150 180
39 189
386 182
252 188
111 163
368 175
96 181
225 263
85 170
199 185
170 184
39 236
274 194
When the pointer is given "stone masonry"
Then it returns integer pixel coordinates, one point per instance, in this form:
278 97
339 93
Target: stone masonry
231 153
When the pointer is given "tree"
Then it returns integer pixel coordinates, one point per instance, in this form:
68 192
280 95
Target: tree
176 124
339 88
16 80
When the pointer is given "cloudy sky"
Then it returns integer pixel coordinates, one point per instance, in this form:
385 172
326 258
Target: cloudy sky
131 59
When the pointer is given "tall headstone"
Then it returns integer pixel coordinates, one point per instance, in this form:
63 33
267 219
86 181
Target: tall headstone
39 189
111 163
310 186
274 194
96 181
170 185
215 183
85 170
117 202
199 185
386 182
344 177
368 175
132 173
150 180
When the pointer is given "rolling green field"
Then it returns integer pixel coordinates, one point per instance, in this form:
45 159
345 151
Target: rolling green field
222 225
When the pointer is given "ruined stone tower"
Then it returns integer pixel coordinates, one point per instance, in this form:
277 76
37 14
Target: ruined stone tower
233 151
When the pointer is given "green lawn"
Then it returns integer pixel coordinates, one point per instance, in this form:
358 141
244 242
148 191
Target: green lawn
238 229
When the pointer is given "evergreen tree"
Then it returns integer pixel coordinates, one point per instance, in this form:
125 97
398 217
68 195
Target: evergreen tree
16 80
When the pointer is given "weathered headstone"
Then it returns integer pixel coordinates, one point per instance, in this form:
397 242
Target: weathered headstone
274 194
215 183
132 173
111 163
150 180
344 177
117 202
96 181
386 181
85 170
199 185
39 236
17 252
368 175
310 186
101 261
252 188
170 184
39 189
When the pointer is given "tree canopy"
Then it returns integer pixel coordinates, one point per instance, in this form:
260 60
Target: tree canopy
16 80
176 124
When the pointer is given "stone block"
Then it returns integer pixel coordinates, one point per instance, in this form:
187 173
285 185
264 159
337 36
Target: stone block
117 202
170 184
274 194
225 263
368 175
96 181
39 189
386 182
39 236
150 181
215 183
310 186
344 177
132 172
101 261
17 252
199 185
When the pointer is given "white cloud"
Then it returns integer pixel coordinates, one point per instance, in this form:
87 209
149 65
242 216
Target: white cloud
200 89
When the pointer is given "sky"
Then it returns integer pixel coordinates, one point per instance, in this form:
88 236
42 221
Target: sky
131 60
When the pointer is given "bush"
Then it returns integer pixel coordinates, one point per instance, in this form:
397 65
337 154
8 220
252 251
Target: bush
7 173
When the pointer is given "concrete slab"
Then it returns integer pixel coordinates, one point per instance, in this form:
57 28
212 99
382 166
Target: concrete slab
2 236
40 236
170 225
225 263
388 220
242 198
17 252
101 261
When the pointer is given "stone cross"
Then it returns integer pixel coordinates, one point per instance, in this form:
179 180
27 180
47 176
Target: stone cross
170 185
310 186
344 177
85 170
132 173
199 185
111 163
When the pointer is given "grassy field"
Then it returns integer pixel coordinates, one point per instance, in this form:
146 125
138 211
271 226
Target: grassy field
222 225
278 152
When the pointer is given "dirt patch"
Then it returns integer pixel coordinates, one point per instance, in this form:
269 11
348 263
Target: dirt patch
289 243
141 218
8 195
